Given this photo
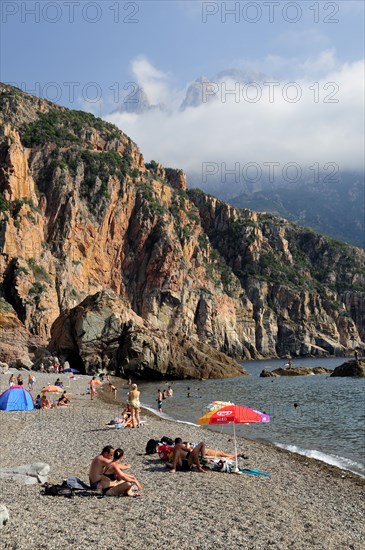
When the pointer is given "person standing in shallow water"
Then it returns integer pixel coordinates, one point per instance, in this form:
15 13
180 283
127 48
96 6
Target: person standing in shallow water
159 400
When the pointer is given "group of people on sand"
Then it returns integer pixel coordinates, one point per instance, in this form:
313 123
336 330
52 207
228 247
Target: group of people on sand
107 472
96 381
16 380
42 402
186 457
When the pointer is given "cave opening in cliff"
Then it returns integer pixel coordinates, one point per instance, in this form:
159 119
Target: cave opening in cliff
76 362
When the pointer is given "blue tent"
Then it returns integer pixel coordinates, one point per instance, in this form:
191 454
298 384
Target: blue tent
16 398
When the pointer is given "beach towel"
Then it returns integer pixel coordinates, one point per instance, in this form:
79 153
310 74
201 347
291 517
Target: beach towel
227 465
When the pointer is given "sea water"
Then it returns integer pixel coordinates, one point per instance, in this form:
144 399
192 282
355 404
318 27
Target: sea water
327 423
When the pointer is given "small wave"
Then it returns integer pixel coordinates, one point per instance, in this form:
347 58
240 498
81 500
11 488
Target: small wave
167 417
333 460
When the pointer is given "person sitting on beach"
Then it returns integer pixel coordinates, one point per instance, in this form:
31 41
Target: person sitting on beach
19 380
114 482
63 400
58 383
45 403
38 402
12 380
98 464
126 414
185 457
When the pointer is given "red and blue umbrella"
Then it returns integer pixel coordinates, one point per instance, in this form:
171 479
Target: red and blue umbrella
220 413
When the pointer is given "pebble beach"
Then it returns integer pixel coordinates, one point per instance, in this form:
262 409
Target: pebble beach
304 504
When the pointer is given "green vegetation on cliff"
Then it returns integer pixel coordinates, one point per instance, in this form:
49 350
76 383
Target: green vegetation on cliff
64 127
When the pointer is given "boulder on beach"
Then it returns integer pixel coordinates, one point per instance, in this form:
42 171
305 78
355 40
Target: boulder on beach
4 515
355 368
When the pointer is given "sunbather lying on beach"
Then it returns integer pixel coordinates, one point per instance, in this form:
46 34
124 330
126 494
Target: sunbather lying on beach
186 457
115 482
220 454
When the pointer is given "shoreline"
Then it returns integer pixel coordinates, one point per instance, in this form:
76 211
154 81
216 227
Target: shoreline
150 412
304 504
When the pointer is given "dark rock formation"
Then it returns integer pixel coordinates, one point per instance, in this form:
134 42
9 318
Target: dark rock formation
103 332
354 368
297 371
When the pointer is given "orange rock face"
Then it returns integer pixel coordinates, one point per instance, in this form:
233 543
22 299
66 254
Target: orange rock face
81 213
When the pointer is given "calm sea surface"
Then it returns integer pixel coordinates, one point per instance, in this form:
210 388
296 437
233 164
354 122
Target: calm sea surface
328 423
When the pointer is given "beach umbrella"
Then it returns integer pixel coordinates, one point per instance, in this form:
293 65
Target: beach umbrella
231 414
51 389
75 371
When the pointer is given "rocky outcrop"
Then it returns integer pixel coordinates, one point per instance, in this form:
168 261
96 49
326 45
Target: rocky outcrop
14 338
268 374
297 371
355 368
103 332
81 213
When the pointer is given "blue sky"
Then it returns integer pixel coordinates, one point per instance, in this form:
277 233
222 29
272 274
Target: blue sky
171 34
165 45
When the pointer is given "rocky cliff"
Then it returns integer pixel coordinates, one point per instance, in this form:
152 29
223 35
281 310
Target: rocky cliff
82 213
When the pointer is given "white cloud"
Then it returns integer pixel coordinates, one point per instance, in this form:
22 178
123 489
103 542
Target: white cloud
304 132
153 81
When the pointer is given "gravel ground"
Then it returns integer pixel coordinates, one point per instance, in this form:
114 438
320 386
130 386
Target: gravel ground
305 504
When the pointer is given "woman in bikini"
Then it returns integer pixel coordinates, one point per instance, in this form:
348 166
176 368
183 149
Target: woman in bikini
135 407
115 482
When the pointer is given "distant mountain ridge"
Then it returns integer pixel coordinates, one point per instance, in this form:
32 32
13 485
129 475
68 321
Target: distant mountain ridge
336 208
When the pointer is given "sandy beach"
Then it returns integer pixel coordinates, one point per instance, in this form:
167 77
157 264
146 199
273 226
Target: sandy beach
304 504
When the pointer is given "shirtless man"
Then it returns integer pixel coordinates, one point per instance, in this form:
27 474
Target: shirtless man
98 465
185 458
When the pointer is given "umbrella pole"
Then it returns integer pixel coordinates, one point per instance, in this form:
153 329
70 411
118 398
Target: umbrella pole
235 470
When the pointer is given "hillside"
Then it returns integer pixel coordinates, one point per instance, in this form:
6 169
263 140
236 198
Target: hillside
114 264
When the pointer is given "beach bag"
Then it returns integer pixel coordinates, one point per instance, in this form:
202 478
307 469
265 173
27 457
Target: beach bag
166 452
167 440
58 490
151 447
